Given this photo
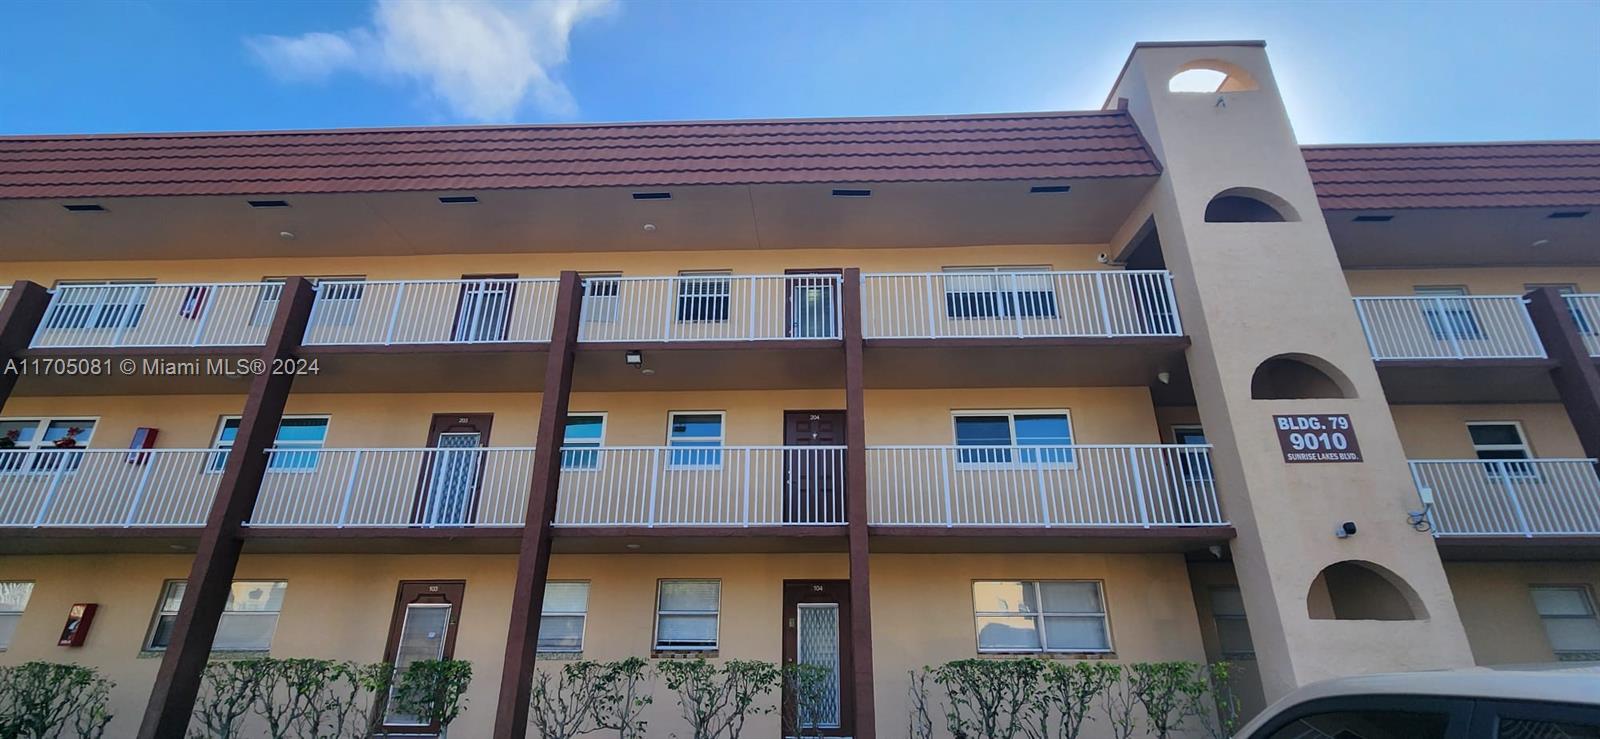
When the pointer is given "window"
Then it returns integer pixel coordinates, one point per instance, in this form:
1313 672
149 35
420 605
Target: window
1569 621
996 432
299 436
248 619
13 601
686 615
566 606
98 304
703 296
1497 441
1580 318
338 299
1368 723
1040 616
1449 314
998 292
21 440
600 293
1196 467
696 439
585 434
1233 631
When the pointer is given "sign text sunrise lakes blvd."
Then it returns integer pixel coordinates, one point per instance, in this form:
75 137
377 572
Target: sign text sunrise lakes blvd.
1312 437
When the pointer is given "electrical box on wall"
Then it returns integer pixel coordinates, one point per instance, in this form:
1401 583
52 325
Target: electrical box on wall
79 618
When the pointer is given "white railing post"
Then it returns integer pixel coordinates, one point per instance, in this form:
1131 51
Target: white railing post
1527 325
753 283
933 303
205 308
123 321
655 483
1447 324
1105 304
1044 495
50 492
350 486
1172 304
150 461
944 475
1015 299
746 506
1366 327
394 313
1138 486
1516 501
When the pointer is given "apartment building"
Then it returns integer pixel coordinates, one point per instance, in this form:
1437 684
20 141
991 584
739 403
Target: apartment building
1142 383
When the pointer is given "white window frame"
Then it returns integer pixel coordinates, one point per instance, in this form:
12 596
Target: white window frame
583 616
599 457
1016 462
92 318
215 462
655 639
721 439
16 614
600 308
161 612
1593 615
710 278
1006 291
29 462
1039 616
1512 469
1241 617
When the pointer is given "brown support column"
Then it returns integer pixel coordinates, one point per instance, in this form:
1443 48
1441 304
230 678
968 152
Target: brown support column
533 561
167 714
1576 376
19 318
855 467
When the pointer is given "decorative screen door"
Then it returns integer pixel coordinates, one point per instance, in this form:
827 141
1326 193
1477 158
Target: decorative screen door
816 631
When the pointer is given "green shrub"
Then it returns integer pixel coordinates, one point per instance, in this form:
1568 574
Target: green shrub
716 701
46 700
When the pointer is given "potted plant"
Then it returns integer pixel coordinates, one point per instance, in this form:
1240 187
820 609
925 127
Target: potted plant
70 441
9 441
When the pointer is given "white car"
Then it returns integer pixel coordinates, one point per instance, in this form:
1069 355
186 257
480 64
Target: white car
1554 702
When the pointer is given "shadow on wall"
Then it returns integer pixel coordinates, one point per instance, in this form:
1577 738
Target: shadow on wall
1298 376
1249 205
1357 590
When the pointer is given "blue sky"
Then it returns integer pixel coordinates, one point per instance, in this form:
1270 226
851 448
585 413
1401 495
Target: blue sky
1351 72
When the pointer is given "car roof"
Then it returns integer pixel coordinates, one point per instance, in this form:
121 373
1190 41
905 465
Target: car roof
1577 683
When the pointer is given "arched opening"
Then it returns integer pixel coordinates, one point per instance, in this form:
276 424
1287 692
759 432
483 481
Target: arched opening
1298 376
1211 76
1357 590
1249 205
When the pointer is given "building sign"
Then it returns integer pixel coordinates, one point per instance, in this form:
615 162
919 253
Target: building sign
1311 437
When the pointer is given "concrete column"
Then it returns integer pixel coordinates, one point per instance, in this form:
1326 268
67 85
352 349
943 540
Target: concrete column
177 682
856 506
533 560
19 318
1577 375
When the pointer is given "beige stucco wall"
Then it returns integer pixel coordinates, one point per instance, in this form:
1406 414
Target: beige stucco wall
339 606
1498 611
1440 431
1479 281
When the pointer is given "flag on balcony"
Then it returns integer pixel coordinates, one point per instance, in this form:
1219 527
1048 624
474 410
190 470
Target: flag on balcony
194 301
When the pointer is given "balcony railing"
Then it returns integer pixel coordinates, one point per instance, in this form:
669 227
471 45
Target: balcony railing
710 308
152 315
1585 313
105 487
1081 485
370 312
1524 497
1019 304
1449 327
5 292
701 486
426 488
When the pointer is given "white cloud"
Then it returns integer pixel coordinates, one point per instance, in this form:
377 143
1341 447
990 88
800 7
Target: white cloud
482 58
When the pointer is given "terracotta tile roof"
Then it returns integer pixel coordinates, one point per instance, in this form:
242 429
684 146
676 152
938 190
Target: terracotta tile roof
1045 146
1535 174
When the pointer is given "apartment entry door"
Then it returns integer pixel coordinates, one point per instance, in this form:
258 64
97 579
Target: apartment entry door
483 309
452 469
426 614
813 487
812 303
816 631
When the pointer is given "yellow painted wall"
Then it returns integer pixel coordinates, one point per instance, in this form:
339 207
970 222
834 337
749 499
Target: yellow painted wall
339 607
1203 576
1498 611
1478 281
1440 431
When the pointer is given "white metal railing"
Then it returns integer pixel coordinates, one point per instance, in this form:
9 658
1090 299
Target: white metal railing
374 312
105 487
701 486
1525 497
158 315
5 292
1080 485
1021 304
424 487
1449 327
710 308
1585 313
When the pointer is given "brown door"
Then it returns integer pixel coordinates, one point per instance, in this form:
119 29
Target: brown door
813 478
452 469
426 614
483 309
816 630
812 303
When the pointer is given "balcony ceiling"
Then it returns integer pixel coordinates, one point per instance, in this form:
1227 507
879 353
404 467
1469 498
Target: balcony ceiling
1466 237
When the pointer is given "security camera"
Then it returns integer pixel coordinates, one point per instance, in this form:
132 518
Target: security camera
1345 530
1104 258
